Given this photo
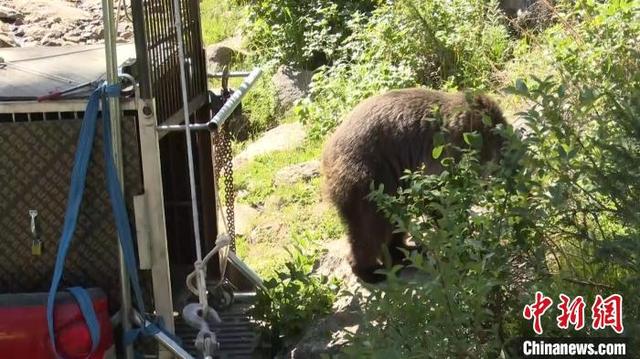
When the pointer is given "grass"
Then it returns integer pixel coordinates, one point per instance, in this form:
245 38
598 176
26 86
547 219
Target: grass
257 178
220 20
291 214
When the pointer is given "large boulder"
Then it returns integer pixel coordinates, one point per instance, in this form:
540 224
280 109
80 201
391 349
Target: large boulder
10 15
299 172
225 53
291 85
282 138
6 40
6 37
219 56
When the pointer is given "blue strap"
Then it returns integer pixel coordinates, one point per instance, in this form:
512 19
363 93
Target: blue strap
86 307
78 178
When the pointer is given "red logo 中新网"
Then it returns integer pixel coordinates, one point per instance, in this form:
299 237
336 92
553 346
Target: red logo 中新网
605 312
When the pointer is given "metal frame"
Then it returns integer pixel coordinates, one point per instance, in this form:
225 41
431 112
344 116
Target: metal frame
153 205
74 105
159 44
111 56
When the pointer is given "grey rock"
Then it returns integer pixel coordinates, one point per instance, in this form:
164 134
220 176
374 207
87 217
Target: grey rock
126 35
97 32
284 137
72 38
19 31
7 40
219 56
244 216
51 41
36 33
291 85
298 172
8 14
327 336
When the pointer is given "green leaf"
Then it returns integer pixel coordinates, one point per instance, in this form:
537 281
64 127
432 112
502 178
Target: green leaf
564 150
437 151
473 139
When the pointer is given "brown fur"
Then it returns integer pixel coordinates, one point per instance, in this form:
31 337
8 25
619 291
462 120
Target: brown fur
383 136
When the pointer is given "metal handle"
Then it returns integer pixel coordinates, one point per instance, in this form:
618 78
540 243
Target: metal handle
226 110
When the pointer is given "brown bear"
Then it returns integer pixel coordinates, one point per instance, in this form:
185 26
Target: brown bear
381 138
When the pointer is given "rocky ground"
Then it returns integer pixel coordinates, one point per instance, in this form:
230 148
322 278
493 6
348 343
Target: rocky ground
57 22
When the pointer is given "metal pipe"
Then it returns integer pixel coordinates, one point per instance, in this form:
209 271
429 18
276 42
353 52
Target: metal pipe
221 116
193 127
218 75
164 340
235 99
111 57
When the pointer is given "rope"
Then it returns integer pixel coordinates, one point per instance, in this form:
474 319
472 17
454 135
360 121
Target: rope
199 267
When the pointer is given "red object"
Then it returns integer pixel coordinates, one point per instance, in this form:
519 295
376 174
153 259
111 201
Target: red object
24 333
607 313
572 312
536 310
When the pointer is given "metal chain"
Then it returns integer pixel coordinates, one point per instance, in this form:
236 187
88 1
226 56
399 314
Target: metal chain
224 164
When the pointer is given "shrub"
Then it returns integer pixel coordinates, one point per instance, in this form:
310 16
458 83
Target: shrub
293 299
337 89
406 43
458 42
560 214
306 34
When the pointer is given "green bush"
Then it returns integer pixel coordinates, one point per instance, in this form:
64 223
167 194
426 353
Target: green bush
306 34
585 137
460 43
293 299
406 43
560 215
466 294
337 89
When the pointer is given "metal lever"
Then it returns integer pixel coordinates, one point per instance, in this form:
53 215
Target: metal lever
225 111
